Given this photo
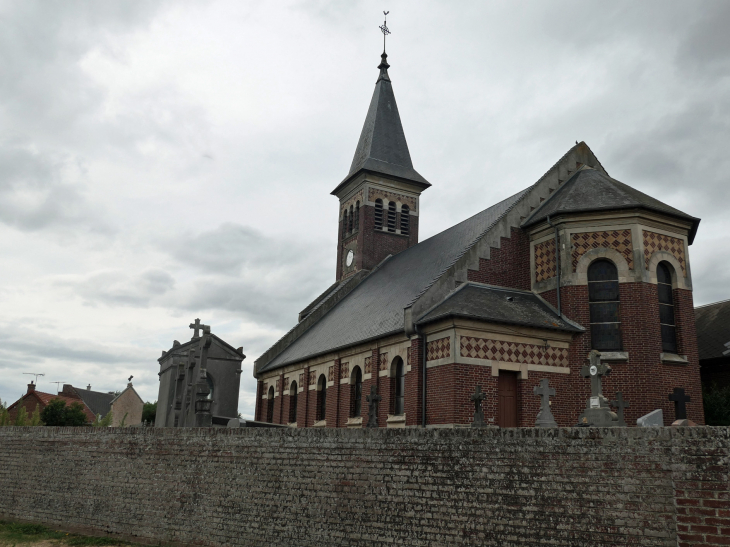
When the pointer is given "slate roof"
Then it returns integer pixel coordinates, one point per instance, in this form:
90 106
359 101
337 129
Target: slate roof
382 147
499 305
375 307
590 190
713 329
98 401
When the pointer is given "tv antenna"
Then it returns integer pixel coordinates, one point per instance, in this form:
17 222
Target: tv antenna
36 374
384 28
61 382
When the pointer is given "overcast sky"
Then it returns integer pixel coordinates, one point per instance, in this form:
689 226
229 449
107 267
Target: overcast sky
162 161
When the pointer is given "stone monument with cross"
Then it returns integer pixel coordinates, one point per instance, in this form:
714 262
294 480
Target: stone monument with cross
598 411
477 398
545 417
373 401
620 404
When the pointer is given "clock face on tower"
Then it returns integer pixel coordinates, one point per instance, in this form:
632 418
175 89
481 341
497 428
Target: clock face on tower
349 258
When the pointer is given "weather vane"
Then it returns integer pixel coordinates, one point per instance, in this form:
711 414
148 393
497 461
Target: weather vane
384 28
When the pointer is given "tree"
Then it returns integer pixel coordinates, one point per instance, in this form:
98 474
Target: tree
35 418
57 413
4 417
21 418
149 412
716 401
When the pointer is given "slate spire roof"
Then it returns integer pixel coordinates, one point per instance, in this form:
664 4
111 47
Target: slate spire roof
590 190
382 147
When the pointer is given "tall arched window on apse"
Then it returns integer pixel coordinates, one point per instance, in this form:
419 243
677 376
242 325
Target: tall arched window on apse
270 406
293 393
322 398
356 393
666 307
603 298
400 387
378 214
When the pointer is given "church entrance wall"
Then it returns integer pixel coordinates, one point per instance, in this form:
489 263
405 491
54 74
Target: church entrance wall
507 399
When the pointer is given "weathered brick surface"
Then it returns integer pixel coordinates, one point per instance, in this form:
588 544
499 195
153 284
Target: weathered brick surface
570 487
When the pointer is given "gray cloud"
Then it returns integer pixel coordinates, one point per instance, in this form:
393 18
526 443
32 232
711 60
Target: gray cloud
118 288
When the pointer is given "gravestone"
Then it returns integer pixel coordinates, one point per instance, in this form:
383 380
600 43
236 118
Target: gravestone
655 418
373 400
598 411
545 417
478 397
620 404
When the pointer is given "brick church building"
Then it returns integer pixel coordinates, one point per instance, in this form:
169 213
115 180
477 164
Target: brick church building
521 291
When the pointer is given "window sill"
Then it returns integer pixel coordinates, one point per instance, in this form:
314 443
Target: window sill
292 424
321 423
614 356
354 422
673 359
396 420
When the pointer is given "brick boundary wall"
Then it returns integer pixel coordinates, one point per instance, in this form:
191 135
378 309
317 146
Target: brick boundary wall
572 486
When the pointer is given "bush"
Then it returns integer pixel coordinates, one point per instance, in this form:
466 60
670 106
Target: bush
21 418
716 401
57 413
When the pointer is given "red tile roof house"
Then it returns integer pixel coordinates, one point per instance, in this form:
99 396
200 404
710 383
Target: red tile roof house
34 398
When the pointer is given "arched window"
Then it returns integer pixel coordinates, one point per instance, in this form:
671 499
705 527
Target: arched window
391 216
666 307
270 405
603 300
356 397
352 217
209 380
405 220
321 398
378 214
356 223
400 387
344 224
293 392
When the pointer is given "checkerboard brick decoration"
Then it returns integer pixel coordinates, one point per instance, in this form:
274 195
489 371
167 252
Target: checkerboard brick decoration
438 349
312 378
344 370
368 365
658 242
383 359
375 193
331 374
618 240
545 267
511 352
301 380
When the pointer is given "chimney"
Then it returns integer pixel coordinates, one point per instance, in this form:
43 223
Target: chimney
31 387
88 388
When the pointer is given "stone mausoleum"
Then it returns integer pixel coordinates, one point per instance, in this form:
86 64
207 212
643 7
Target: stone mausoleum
520 292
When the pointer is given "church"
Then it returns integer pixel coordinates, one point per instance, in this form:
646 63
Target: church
520 292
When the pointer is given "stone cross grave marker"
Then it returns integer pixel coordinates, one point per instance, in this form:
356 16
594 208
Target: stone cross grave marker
598 412
478 397
620 404
373 400
545 417
680 403
196 327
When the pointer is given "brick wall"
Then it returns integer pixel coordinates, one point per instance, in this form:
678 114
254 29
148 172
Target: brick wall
508 266
599 487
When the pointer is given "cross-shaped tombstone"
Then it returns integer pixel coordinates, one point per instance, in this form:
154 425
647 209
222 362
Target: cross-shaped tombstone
196 327
545 417
680 403
373 400
596 370
620 404
478 397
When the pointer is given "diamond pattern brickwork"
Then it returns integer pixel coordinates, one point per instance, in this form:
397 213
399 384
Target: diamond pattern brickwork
301 380
512 352
331 374
375 193
344 370
545 260
618 240
383 358
368 365
312 378
438 349
658 242
346 205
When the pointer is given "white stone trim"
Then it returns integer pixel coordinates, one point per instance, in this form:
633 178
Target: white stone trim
581 269
397 421
678 279
354 422
321 423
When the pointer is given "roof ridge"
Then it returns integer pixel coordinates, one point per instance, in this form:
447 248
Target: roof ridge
713 304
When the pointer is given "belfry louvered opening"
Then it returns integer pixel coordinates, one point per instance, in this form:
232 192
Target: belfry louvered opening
391 216
378 214
405 220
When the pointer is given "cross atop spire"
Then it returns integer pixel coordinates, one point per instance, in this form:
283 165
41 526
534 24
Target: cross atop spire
384 28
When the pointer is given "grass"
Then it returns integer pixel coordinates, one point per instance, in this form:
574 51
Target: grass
15 533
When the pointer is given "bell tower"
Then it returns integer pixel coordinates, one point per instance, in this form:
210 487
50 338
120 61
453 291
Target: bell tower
379 198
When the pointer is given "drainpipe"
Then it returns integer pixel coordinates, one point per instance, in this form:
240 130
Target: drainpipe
557 261
423 377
